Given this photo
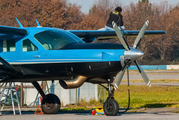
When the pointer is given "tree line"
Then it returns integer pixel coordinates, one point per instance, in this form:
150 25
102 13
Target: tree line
161 49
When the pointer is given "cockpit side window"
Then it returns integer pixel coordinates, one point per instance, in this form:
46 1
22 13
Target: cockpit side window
55 39
9 45
27 45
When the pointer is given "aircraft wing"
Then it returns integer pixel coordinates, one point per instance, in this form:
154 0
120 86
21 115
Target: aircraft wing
7 30
92 35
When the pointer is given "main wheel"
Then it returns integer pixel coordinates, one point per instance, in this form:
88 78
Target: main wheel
111 107
51 104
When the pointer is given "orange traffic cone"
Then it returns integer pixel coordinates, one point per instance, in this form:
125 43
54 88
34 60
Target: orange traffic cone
38 111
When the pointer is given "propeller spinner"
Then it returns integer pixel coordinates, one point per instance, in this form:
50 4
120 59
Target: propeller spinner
130 54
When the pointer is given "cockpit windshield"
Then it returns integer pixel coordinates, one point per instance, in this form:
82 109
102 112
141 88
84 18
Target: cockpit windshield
55 39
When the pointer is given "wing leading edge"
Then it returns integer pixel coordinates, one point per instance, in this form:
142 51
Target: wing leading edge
92 35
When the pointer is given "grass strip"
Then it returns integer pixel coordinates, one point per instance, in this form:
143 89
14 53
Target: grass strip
141 97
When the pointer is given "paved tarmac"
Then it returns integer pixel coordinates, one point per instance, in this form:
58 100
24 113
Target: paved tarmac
149 114
153 75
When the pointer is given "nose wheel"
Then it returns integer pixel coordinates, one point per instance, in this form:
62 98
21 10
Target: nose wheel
111 107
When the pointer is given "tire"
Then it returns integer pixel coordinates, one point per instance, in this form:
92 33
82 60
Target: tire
111 107
51 104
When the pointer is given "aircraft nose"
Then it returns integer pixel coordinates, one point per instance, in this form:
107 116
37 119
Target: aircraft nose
133 54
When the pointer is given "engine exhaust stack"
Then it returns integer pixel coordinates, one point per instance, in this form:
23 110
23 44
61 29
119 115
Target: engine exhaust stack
75 83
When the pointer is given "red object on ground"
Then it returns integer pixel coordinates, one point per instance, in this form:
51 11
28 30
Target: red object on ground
38 111
93 112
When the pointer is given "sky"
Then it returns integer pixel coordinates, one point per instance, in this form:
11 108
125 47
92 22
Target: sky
87 4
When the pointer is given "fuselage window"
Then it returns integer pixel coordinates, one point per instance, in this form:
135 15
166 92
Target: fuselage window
28 46
9 45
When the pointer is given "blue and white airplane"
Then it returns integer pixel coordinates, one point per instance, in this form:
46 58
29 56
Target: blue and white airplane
39 54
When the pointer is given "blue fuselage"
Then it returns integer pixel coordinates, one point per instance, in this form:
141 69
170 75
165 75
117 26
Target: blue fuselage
37 62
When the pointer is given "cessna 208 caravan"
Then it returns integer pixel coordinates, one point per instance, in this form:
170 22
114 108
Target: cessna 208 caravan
40 53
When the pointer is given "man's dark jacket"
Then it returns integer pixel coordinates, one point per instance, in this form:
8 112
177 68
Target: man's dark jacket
117 18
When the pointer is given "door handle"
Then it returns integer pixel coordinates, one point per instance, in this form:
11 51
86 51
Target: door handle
37 56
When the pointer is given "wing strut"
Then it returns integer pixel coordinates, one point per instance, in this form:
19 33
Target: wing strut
11 69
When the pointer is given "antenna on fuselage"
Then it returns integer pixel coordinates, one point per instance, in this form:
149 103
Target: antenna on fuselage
38 25
20 25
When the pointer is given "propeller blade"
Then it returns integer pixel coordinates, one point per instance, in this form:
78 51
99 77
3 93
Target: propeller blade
120 36
144 76
120 74
140 35
118 78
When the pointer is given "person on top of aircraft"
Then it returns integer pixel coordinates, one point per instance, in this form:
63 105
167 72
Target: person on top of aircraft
117 18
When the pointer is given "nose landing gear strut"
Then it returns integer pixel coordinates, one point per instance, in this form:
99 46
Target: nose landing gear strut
111 106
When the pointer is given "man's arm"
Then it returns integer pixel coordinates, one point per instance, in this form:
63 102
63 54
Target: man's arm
121 23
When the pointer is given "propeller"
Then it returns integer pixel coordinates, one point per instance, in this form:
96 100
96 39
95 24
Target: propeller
144 76
131 54
120 75
140 35
120 36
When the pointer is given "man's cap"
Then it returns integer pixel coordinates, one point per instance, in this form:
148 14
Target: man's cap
119 9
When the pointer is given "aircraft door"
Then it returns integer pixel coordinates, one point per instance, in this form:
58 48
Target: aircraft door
32 59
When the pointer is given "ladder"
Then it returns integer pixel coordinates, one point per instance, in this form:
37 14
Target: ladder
5 95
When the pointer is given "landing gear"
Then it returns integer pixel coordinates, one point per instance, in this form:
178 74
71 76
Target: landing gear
51 104
111 106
